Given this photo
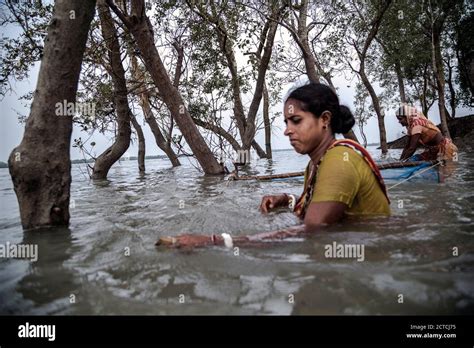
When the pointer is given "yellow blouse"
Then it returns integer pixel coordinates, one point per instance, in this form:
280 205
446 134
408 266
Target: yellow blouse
344 176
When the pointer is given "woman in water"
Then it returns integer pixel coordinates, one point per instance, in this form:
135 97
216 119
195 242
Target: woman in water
423 131
341 178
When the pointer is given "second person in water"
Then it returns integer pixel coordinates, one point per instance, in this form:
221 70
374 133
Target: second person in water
424 132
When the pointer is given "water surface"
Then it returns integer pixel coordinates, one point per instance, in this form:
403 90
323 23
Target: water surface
106 261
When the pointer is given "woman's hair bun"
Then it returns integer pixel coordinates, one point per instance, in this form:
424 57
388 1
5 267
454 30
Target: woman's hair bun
344 121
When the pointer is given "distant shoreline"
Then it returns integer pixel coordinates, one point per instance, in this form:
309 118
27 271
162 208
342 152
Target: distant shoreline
134 158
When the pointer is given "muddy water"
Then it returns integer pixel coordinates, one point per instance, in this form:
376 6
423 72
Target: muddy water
106 262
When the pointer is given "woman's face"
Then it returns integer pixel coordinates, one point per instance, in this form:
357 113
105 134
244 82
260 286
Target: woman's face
303 128
403 120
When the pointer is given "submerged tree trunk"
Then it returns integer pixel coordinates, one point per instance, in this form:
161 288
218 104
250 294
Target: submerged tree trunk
141 144
260 152
160 140
378 111
105 161
140 27
250 129
144 101
266 122
40 166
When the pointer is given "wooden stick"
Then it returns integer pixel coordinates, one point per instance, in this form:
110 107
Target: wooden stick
403 164
268 177
381 166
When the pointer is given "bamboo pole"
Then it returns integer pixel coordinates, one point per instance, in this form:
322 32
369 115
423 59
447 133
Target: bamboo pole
403 164
381 166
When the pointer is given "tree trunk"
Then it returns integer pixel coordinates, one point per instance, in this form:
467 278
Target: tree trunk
401 86
266 122
259 150
40 166
365 80
310 61
452 92
141 144
364 138
107 159
439 73
140 27
466 69
424 101
246 125
144 101
219 131
313 76
448 115
310 65
155 129
324 74
308 56
250 128
350 135
378 111
238 108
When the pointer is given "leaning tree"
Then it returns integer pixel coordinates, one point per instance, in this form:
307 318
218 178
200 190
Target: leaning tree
40 166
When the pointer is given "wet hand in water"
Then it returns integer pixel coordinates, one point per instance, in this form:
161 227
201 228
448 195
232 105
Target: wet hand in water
272 202
186 240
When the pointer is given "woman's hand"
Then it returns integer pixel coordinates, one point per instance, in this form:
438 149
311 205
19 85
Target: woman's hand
272 202
410 147
186 240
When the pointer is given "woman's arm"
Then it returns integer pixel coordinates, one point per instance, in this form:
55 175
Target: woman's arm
323 213
199 240
411 146
318 215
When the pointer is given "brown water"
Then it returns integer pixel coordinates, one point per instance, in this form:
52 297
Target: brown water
85 269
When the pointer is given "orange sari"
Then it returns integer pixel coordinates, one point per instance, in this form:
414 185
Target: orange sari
419 124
